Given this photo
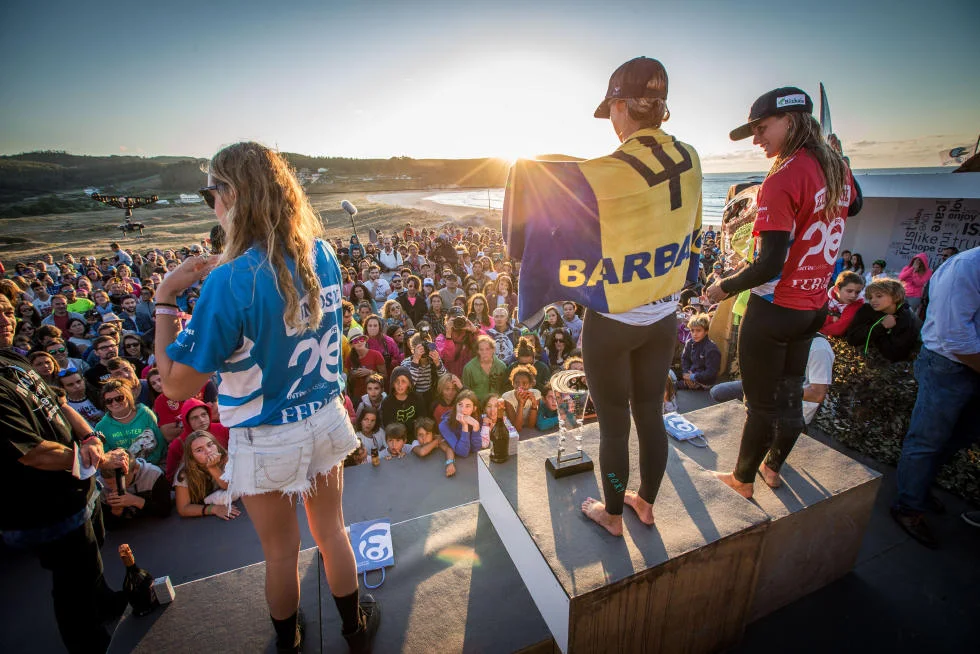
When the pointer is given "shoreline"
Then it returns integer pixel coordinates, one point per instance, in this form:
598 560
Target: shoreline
416 200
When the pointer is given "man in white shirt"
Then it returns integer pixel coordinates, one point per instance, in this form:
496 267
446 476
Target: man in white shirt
389 258
819 375
377 286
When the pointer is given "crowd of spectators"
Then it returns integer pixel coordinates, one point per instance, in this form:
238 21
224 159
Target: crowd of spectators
433 353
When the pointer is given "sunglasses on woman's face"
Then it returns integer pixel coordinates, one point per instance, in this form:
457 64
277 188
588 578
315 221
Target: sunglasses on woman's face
207 192
109 401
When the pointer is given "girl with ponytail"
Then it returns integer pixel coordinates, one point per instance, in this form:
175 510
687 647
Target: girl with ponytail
804 203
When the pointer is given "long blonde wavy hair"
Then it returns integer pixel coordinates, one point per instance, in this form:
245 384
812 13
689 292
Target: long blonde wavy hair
200 483
804 132
268 208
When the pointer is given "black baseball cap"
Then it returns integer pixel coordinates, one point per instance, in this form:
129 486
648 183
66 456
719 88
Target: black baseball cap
630 81
778 101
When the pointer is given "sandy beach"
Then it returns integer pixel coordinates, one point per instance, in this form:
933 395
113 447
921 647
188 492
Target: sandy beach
417 200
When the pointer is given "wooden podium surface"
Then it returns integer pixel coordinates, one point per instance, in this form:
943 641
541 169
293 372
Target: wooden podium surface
819 514
684 584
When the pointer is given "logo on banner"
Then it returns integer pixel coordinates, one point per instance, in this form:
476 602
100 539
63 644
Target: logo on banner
680 428
372 545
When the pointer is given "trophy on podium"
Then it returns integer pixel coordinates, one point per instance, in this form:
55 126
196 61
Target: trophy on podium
573 391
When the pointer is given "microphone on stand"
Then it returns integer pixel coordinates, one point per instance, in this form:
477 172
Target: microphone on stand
351 211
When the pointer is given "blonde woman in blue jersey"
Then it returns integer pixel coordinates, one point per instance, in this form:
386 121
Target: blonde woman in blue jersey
627 354
269 322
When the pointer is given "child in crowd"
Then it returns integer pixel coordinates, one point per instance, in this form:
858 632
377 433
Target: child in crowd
914 278
670 393
146 491
701 359
491 411
362 363
374 396
394 316
370 434
396 438
424 365
547 410
446 389
845 300
460 428
403 404
577 363
885 322
427 440
198 483
195 415
523 401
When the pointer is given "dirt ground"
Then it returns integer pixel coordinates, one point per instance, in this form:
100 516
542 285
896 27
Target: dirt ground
90 233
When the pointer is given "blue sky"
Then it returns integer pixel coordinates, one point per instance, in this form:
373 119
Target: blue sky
455 79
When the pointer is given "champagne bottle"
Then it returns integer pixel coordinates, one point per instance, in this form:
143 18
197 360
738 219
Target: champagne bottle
138 584
375 458
499 440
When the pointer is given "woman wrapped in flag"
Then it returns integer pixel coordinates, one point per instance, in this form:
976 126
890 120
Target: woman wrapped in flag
620 235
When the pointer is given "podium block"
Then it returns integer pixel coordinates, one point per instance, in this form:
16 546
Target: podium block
683 585
819 514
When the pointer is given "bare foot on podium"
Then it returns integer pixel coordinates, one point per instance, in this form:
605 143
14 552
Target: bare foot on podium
644 510
597 511
728 478
770 476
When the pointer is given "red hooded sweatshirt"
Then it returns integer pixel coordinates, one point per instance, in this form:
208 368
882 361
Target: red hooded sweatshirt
837 325
175 453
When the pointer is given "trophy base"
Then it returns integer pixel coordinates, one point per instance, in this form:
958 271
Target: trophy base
568 465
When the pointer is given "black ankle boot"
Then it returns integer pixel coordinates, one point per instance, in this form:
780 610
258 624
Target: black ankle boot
361 640
289 634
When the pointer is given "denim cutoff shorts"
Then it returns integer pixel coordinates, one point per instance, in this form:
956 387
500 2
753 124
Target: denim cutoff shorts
287 458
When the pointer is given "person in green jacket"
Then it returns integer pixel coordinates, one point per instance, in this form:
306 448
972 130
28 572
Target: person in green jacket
485 373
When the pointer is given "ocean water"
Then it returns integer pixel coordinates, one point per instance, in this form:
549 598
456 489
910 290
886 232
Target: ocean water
715 191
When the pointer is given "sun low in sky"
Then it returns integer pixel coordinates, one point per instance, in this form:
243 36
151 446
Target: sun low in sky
449 79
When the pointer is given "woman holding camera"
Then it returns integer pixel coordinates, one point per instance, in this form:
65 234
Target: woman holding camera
458 345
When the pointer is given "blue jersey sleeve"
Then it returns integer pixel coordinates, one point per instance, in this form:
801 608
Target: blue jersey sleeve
215 330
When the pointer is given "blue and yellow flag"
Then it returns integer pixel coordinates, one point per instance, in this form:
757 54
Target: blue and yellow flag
612 233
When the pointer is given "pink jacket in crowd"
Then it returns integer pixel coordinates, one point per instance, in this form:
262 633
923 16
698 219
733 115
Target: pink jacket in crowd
914 282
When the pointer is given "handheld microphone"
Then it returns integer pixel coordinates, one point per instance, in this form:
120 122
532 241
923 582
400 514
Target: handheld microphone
120 482
349 208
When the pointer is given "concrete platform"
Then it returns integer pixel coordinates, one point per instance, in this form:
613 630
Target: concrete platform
691 576
453 589
819 515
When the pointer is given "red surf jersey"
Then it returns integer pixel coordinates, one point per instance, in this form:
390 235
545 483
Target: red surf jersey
794 200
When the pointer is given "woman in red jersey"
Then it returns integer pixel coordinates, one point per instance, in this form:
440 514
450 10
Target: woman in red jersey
803 205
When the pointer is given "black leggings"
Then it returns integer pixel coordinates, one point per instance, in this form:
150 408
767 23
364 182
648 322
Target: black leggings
773 348
626 368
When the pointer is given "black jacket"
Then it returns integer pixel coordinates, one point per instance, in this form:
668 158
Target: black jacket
895 344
